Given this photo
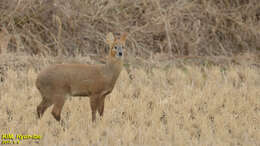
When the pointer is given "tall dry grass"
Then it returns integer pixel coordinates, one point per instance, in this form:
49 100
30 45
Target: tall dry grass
174 104
174 27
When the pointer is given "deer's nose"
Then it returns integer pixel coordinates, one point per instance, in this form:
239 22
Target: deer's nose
120 53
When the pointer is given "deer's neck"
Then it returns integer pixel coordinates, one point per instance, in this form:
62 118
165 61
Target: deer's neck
113 68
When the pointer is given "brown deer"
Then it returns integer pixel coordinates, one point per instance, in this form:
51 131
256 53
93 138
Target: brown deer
58 81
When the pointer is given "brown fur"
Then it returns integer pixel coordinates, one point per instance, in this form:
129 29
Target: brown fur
96 81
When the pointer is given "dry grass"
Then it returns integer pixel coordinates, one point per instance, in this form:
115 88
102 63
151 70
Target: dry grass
174 27
188 100
174 105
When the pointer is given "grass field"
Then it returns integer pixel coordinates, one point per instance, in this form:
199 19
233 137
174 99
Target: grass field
172 105
191 77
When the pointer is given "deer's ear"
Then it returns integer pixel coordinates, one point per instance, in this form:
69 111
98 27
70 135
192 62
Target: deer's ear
123 37
110 38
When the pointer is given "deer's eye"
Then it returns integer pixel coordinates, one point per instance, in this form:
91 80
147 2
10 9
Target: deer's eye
115 47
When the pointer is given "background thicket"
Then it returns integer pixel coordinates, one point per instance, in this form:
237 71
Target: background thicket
174 27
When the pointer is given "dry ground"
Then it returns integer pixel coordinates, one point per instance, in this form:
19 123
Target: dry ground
172 105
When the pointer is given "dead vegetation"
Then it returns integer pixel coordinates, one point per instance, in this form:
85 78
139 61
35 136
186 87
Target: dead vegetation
191 75
174 27
174 104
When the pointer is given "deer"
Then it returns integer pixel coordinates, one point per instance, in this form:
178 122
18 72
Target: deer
56 82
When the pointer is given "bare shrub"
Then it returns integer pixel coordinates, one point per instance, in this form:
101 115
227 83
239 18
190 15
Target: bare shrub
165 26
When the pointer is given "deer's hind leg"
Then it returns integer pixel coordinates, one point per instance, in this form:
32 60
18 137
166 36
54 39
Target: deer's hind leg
58 105
45 103
41 108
